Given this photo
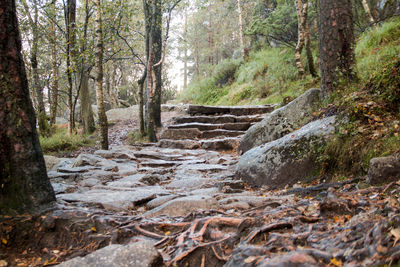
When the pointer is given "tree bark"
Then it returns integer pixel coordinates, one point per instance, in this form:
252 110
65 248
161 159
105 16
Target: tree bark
185 59
368 11
336 42
99 79
24 184
301 7
70 18
241 37
54 87
86 105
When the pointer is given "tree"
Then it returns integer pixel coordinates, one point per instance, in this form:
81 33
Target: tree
70 20
336 42
303 38
99 79
37 87
24 184
54 88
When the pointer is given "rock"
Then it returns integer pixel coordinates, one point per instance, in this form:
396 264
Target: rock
178 134
115 200
223 144
51 161
128 181
221 133
158 201
384 170
188 184
244 255
281 121
181 144
63 188
152 179
239 110
87 159
184 205
291 259
122 113
114 154
286 160
139 254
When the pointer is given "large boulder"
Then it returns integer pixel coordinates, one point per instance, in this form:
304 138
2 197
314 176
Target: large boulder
139 254
384 170
281 121
286 160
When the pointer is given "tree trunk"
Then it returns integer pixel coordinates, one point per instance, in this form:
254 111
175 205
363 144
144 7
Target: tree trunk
368 11
336 42
37 88
185 59
157 54
86 105
141 101
54 87
24 184
301 7
99 79
70 24
241 37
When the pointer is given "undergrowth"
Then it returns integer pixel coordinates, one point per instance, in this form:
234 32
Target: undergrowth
372 106
60 141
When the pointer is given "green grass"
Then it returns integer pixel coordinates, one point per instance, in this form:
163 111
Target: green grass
377 46
61 142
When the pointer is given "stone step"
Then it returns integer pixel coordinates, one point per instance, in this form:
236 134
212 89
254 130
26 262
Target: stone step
221 133
233 110
219 119
196 134
221 144
179 134
236 126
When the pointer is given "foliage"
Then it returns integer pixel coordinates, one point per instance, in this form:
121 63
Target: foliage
269 76
60 141
280 25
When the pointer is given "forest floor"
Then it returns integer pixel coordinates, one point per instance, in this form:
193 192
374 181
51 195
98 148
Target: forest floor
190 204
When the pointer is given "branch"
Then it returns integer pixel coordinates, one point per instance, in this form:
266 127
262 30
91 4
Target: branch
167 33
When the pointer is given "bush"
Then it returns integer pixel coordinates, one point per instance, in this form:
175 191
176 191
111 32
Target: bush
225 71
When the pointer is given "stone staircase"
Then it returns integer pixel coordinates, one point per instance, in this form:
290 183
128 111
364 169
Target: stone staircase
212 127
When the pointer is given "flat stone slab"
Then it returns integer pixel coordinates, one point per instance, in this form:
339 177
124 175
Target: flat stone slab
202 167
182 144
221 133
234 110
115 200
128 181
115 154
139 254
219 119
158 163
188 184
183 206
178 134
221 144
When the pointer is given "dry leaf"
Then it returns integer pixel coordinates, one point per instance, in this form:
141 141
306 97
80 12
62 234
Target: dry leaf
93 229
336 262
396 234
167 233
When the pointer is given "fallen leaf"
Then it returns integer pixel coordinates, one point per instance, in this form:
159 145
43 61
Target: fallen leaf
336 262
167 233
93 229
4 241
396 234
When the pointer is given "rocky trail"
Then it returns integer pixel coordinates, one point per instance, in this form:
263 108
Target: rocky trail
181 202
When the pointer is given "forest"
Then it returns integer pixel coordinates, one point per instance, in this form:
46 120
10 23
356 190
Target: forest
199 132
